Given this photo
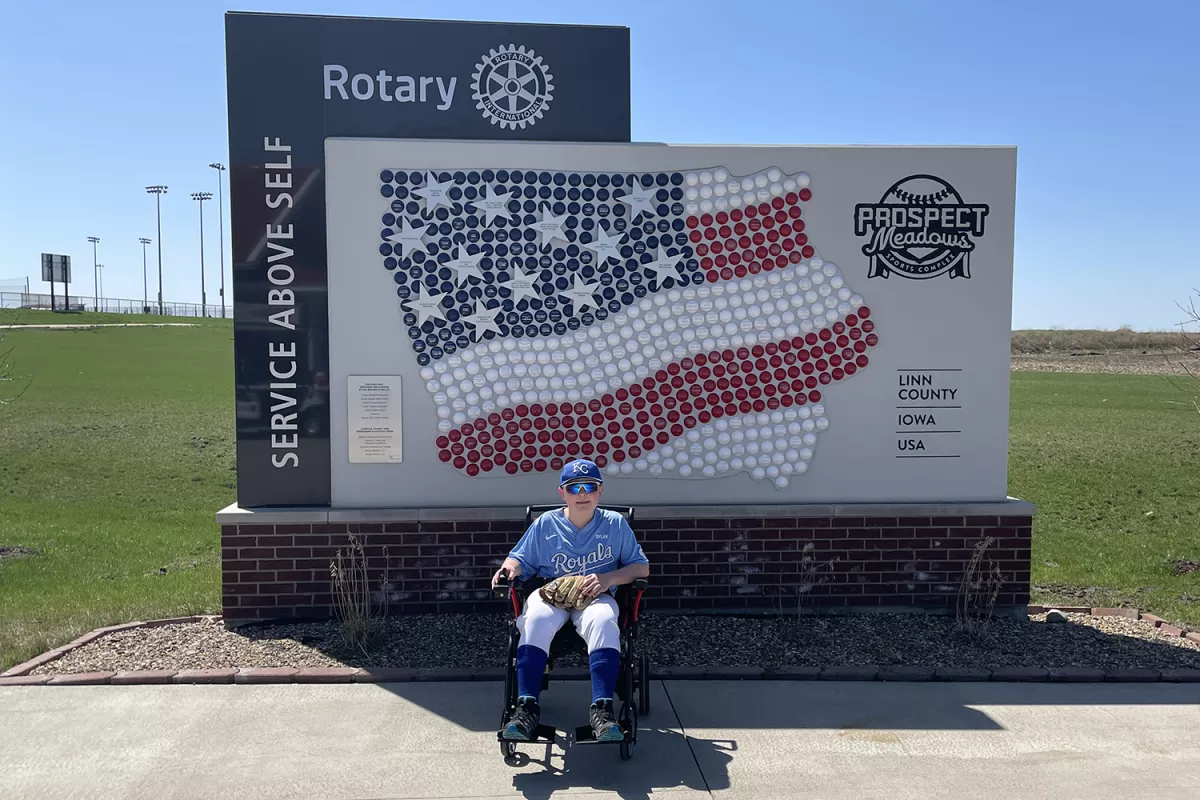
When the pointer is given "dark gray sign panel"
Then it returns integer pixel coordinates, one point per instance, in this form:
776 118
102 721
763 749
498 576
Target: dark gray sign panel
295 80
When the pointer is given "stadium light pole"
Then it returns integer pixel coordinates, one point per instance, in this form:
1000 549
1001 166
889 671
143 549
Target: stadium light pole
100 283
201 197
95 272
158 192
145 299
219 167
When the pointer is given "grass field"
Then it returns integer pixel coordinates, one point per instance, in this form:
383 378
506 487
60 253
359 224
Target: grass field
25 316
1113 463
113 463
116 458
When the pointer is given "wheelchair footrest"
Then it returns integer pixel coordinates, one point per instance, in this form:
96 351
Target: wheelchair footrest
584 735
544 733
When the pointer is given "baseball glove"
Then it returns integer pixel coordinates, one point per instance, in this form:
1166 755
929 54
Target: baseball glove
566 593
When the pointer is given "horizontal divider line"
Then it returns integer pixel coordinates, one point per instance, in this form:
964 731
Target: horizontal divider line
929 456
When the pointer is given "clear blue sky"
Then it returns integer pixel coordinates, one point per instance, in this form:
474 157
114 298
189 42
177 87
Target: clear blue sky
1101 98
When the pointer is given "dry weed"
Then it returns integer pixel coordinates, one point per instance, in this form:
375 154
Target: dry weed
359 624
981 583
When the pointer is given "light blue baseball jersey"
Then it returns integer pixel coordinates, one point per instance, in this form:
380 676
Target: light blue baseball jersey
553 546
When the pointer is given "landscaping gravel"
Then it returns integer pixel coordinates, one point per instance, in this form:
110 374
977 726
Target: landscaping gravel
479 642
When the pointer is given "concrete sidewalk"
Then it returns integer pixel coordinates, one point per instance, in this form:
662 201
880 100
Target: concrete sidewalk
866 741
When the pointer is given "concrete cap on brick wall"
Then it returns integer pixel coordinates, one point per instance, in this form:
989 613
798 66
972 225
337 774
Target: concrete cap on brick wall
1010 507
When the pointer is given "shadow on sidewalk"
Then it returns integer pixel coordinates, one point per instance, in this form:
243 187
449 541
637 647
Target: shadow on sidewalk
704 707
691 736
797 705
665 759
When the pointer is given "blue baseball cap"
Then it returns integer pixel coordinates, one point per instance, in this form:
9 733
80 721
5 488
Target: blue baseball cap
579 470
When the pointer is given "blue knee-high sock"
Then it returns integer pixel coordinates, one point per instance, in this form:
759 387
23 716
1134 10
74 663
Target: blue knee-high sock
605 665
531 665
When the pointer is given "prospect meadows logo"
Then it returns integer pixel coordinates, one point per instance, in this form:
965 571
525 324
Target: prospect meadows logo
511 85
920 228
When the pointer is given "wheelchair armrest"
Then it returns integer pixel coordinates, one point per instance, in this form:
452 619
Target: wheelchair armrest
517 592
629 596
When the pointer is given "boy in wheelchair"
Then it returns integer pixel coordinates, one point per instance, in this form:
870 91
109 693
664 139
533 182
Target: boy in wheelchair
578 539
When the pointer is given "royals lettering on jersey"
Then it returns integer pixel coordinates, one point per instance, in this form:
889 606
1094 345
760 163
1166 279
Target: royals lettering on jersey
572 565
553 547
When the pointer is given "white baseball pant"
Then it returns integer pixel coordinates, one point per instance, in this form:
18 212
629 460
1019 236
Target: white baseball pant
597 623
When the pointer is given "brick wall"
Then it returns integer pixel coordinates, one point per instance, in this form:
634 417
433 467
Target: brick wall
283 571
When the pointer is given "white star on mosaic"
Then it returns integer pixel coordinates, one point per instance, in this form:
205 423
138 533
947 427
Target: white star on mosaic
669 265
604 246
425 305
484 320
582 296
493 205
435 194
409 237
522 286
550 227
640 198
465 266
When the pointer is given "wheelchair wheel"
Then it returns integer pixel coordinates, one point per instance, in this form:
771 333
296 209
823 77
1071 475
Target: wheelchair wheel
627 674
509 749
628 718
510 674
644 684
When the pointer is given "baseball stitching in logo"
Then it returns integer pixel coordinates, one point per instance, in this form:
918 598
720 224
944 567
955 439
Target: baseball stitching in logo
920 229
512 87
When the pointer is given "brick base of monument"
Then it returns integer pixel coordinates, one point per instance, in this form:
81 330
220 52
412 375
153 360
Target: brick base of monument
276 565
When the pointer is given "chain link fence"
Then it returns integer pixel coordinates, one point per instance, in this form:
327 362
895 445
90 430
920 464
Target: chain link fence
108 305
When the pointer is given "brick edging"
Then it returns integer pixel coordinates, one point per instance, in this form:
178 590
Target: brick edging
91 636
19 675
277 675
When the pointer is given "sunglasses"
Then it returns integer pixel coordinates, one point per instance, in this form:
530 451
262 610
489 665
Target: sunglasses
581 488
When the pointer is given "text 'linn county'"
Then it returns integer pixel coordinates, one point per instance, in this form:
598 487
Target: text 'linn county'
927 405
920 387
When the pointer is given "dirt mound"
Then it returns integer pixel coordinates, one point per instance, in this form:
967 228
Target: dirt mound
14 551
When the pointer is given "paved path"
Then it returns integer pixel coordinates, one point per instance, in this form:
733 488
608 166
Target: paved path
832 741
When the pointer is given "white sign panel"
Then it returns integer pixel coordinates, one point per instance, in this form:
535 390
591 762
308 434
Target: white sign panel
709 324
375 419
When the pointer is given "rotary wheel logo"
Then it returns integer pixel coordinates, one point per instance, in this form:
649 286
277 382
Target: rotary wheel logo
512 87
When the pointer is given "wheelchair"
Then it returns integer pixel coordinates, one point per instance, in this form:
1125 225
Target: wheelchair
633 679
